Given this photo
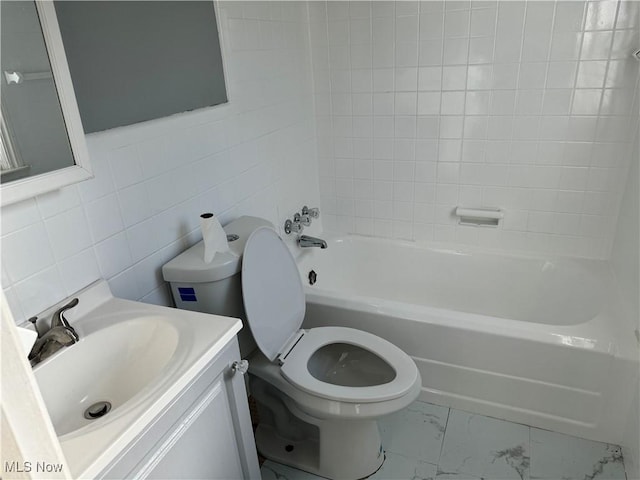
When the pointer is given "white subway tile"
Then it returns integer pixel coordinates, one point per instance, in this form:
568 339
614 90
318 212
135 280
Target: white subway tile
26 252
405 103
40 291
427 126
596 45
479 77
403 191
426 192
454 78
79 271
582 128
586 102
406 79
407 28
569 201
426 171
68 233
476 127
600 15
565 46
19 215
451 126
406 54
481 50
430 52
53 203
405 126
532 75
483 22
449 150
456 23
535 47
554 128
569 16
505 76
456 51
103 216
426 150
452 103
102 182
473 151
557 102
591 74
431 25
429 103
627 15
113 254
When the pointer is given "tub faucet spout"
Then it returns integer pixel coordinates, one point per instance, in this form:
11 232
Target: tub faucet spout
305 241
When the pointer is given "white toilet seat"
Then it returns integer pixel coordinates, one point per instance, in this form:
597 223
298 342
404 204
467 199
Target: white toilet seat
275 306
295 369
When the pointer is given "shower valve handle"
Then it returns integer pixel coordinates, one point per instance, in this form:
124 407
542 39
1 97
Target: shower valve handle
311 212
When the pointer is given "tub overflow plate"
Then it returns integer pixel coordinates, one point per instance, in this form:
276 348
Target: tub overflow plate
313 277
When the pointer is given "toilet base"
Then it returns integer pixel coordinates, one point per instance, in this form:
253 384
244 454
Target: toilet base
347 459
331 448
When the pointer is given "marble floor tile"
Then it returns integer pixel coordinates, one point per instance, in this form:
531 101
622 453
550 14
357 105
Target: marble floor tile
485 447
397 467
557 456
276 471
475 447
455 476
415 432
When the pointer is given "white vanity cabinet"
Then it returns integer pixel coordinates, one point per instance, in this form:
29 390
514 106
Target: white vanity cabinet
205 433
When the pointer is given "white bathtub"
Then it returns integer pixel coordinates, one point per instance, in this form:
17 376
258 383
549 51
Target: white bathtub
531 340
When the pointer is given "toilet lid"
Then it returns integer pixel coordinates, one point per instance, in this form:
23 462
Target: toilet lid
272 291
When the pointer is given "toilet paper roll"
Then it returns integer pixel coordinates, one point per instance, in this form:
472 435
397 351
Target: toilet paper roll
213 235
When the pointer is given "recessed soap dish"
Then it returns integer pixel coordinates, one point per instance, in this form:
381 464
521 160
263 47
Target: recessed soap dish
479 217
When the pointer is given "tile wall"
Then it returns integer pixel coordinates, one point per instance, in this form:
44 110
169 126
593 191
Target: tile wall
152 180
527 106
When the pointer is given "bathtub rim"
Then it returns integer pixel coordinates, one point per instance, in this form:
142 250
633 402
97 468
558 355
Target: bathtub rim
607 332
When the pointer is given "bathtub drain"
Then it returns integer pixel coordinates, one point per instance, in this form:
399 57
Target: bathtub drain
97 410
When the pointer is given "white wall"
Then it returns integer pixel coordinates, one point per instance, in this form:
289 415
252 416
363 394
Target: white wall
521 105
152 180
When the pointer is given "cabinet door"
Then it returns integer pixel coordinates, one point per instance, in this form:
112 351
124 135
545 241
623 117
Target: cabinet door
202 445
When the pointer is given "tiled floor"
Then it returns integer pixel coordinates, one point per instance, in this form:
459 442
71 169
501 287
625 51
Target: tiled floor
427 441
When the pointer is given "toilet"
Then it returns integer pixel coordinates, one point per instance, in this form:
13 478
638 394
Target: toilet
319 391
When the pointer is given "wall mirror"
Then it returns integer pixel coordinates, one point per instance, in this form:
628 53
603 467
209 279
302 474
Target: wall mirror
42 143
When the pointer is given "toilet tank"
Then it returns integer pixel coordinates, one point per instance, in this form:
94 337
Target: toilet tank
215 287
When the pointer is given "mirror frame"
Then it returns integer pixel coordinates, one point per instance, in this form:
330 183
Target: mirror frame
29 187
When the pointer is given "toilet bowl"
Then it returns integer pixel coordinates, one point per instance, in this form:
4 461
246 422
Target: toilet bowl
319 391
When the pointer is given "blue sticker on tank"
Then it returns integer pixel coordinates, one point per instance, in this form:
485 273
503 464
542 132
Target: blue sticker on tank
187 294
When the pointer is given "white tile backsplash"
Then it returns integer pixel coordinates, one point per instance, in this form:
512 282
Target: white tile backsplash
531 97
253 156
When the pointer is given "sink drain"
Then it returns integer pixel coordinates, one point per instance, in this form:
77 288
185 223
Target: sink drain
97 410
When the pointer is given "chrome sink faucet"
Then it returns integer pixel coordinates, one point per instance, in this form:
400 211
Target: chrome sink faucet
60 334
306 241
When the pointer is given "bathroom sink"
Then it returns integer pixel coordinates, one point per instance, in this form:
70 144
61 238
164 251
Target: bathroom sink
132 361
115 364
